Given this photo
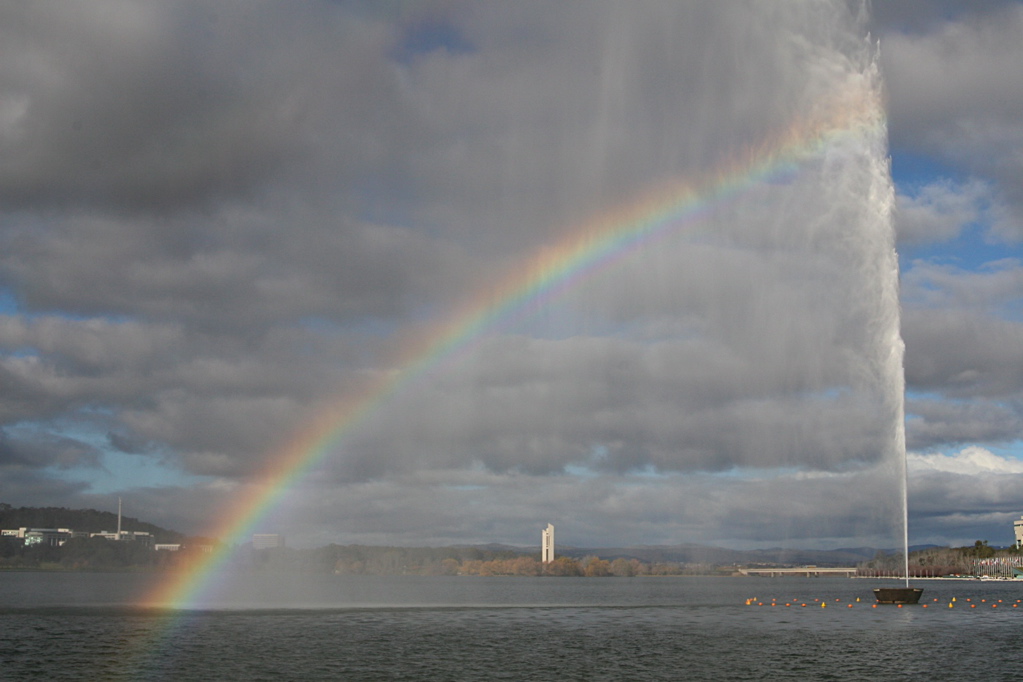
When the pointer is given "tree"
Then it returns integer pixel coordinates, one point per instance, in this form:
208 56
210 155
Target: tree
562 566
9 547
596 568
624 568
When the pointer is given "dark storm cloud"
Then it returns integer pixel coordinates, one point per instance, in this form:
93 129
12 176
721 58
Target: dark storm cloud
955 94
153 107
941 423
703 508
21 487
233 271
917 16
469 141
963 349
541 406
561 113
963 355
219 401
218 218
971 495
128 443
38 450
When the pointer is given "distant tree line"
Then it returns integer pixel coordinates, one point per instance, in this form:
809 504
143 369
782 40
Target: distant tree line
588 566
472 561
94 554
935 562
78 554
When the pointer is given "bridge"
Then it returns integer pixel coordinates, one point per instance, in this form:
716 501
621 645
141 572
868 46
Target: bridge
804 571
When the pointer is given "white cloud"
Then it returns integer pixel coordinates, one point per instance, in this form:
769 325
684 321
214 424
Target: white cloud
960 72
939 211
994 288
969 461
956 92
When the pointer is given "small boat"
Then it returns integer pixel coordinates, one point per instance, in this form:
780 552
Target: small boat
897 595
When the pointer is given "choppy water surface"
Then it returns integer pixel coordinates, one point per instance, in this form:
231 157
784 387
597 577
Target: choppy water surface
82 627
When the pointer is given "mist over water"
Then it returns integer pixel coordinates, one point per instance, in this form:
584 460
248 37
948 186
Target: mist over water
739 376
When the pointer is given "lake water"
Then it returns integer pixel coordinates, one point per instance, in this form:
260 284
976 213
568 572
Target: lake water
82 626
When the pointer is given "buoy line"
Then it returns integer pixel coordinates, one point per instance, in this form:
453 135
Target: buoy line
754 601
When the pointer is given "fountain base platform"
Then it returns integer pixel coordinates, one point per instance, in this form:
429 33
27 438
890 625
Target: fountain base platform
897 595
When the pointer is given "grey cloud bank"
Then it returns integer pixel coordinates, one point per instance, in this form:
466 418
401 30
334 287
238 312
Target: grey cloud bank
217 219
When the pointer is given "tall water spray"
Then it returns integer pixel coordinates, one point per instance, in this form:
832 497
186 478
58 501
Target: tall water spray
890 348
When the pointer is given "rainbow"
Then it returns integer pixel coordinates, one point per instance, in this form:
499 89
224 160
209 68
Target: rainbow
550 272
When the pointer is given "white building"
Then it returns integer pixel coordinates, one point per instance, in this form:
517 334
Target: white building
547 544
1017 526
125 536
53 537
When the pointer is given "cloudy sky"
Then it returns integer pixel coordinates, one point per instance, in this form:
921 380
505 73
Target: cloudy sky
219 222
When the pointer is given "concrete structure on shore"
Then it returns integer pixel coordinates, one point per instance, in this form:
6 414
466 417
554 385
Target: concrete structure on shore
547 544
1017 526
124 535
803 571
51 537
267 540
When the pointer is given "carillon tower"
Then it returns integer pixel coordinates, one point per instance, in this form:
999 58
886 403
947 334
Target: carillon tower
547 544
